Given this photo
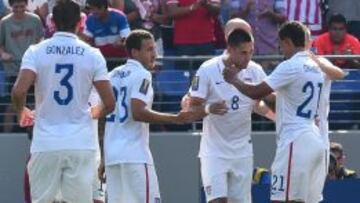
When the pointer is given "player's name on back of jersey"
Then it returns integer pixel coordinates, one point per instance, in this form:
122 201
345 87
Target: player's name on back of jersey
65 50
313 69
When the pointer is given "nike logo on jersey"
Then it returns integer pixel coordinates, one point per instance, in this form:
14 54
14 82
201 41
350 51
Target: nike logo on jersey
218 83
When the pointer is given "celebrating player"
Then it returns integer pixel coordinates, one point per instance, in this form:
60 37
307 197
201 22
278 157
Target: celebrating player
331 72
226 150
130 171
63 70
300 151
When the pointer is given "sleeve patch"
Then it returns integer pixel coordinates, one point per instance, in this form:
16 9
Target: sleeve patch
195 83
144 86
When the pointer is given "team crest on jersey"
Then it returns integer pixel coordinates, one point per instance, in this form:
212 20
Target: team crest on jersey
144 86
157 200
195 83
208 190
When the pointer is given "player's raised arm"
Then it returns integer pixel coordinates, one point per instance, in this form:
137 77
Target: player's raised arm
332 72
253 91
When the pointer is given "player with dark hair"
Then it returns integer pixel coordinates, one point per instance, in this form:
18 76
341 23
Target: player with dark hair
297 82
130 170
226 154
63 70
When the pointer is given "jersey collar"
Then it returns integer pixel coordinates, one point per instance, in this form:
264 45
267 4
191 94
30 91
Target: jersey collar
65 34
135 63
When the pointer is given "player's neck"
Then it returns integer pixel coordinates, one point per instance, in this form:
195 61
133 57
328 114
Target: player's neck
295 51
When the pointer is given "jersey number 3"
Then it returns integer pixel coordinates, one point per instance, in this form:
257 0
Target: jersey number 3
69 71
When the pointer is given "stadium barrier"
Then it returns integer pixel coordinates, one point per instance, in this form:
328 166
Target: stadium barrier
173 78
178 168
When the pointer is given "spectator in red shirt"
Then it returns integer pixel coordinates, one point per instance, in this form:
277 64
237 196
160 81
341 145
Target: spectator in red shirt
194 25
337 42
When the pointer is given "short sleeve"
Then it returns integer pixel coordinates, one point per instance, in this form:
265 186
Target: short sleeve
200 84
87 30
283 75
100 69
142 88
28 60
260 74
123 26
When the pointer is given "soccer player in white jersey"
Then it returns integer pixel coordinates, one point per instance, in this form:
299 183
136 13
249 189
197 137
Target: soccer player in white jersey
297 82
129 167
226 154
63 70
331 72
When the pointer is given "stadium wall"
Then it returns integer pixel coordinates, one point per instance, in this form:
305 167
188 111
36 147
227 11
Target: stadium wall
175 157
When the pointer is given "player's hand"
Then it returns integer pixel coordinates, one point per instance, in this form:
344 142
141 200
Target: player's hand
219 108
26 118
313 57
230 74
96 111
185 102
185 117
6 56
101 171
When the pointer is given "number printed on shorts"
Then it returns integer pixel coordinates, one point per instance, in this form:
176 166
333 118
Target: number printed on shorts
69 71
124 115
277 183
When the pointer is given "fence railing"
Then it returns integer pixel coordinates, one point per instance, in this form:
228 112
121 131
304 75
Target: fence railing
172 80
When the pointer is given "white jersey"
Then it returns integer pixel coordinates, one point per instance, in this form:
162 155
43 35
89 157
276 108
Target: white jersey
324 108
127 140
226 136
298 82
65 69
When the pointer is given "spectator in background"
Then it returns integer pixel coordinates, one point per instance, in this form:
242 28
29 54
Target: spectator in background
306 11
106 29
18 30
350 9
147 15
264 16
340 172
194 26
337 42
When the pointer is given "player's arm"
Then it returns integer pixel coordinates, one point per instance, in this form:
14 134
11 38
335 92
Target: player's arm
332 72
103 87
253 91
142 113
19 91
262 109
101 132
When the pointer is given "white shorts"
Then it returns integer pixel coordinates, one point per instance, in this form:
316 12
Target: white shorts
227 178
296 170
132 182
69 171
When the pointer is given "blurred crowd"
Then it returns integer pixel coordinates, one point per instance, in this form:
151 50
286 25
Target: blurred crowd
180 27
